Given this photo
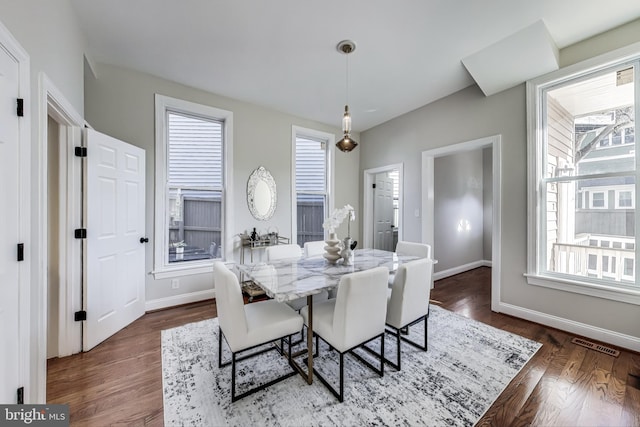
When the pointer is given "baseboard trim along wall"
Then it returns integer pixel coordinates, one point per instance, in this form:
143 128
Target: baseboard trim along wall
604 335
460 269
174 300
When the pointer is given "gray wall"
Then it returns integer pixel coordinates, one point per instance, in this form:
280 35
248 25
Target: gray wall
120 103
468 115
458 201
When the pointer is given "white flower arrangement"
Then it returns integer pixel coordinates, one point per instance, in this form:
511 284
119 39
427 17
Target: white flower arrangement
336 218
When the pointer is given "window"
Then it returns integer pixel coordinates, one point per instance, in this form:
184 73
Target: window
598 200
193 147
583 179
312 153
625 198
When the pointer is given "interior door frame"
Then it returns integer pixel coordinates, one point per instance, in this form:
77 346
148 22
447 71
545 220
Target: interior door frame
27 373
52 103
428 208
367 218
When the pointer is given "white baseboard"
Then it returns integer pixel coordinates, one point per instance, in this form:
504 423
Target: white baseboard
460 269
582 329
174 300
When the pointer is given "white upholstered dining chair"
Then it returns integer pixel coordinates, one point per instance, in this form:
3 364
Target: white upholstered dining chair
355 317
421 250
245 327
288 251
314 248
408 302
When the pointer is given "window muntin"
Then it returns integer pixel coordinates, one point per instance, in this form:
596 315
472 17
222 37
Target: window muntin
586 221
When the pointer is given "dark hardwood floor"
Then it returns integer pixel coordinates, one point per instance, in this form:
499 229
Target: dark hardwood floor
119 382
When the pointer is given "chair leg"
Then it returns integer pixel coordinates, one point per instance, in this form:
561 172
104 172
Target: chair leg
219 347
396 333
233 377
382 355
415 344
235 359
426 337
341 398
339 394
398 355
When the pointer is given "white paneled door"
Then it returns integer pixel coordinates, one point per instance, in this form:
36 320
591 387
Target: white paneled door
10 283
383 212
114 285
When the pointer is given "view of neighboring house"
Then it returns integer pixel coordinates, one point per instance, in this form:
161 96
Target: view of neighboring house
590 197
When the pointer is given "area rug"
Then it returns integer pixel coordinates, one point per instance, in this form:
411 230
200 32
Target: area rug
467 365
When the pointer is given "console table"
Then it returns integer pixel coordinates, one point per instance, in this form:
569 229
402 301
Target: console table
260 244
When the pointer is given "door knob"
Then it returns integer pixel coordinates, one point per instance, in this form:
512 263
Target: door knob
144 240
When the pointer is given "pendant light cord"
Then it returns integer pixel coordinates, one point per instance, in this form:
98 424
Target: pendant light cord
347 78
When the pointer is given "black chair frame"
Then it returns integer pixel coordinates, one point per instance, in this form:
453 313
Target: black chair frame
236 358
398 333
379 371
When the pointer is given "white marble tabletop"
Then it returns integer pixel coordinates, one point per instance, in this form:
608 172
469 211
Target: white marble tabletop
287 280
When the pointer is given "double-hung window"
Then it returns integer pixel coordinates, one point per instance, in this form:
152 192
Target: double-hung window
583 178
192 160
312 153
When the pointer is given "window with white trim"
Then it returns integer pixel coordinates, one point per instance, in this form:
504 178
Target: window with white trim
192 161
582 179
598 199
625 198
312 196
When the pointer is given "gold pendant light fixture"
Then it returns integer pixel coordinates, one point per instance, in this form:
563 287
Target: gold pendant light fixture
346 144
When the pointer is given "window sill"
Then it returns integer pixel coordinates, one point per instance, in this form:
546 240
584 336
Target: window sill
185 270
626 295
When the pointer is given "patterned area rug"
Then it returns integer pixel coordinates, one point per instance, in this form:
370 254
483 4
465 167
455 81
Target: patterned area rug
467 366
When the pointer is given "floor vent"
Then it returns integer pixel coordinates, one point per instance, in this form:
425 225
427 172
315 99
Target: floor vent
597 347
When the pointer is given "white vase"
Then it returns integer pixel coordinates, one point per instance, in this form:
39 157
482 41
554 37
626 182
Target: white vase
347 253
332 250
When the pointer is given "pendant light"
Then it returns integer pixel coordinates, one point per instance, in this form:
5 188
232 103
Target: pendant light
346 144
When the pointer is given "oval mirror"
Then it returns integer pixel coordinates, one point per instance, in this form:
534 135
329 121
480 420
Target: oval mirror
261 194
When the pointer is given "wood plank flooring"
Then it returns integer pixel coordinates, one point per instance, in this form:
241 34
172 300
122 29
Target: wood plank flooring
119 382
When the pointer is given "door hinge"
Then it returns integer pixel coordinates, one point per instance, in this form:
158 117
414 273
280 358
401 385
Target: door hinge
79 316
20 107
20 251
81 151
80 233
20 396
373 186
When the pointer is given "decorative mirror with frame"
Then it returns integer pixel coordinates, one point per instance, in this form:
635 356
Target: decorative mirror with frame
261 194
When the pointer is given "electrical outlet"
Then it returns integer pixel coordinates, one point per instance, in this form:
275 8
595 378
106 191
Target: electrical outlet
175 283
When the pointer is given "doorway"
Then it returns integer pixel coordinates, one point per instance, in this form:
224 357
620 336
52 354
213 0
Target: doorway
59 212
383 203
428 204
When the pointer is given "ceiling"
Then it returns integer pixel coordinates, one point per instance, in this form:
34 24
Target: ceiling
282 53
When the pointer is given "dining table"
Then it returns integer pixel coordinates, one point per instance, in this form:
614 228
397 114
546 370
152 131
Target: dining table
287 280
